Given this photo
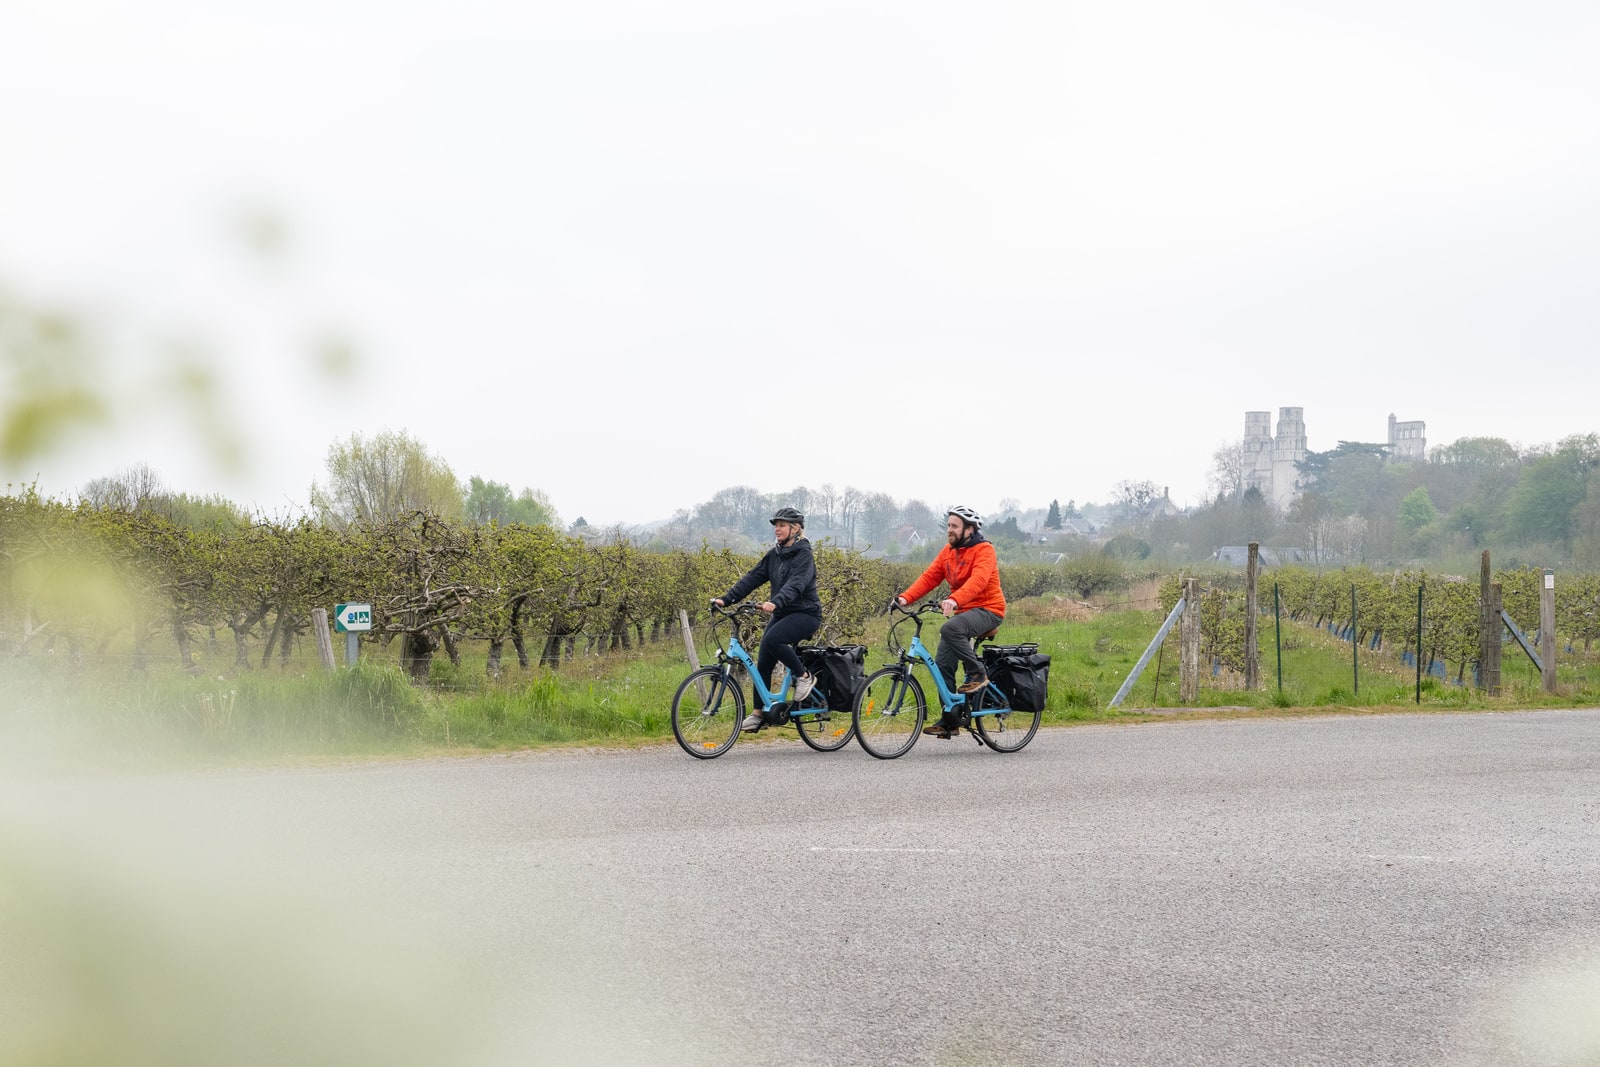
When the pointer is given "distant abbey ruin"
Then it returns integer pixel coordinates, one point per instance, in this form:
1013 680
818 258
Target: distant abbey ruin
1408 441
1270 459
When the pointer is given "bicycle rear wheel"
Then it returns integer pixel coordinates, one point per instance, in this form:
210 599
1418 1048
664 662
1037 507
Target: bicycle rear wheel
707 711
826 731
1009 730
889 712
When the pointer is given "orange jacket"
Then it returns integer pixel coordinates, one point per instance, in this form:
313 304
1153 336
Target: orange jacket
973 571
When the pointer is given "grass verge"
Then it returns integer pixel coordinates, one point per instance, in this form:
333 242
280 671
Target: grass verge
372 710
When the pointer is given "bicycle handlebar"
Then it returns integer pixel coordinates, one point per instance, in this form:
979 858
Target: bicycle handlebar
922 609
736 610
733 615
912 615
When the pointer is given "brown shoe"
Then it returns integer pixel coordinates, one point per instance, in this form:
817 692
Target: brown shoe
939 730
972 685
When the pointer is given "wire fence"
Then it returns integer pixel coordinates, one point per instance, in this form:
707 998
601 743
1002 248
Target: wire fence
1376 625
1440 627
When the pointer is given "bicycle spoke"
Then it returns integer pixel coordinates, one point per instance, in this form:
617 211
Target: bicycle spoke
889 713
1008 731
706 713
826 732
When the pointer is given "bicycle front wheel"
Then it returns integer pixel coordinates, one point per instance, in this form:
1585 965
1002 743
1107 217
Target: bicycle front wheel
889 712
1008 731
707 711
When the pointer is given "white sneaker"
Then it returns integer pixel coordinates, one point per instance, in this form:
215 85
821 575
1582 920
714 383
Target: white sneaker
752 722
803 686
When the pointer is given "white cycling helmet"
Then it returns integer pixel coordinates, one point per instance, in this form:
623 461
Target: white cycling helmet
965 514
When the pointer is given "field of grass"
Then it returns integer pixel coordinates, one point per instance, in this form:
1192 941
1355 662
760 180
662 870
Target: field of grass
301 712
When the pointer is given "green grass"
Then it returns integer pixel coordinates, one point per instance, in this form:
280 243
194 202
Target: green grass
300 712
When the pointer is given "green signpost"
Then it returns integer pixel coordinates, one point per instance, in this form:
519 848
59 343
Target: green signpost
351 619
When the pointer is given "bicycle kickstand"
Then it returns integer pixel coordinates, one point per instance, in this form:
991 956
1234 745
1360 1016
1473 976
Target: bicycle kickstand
969 724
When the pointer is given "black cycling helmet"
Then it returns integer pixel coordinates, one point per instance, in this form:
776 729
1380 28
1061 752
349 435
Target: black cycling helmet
789 515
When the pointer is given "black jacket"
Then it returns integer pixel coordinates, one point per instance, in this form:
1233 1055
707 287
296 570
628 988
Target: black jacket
793 574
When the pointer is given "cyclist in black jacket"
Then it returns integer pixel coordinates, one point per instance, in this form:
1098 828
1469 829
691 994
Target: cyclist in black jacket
793 603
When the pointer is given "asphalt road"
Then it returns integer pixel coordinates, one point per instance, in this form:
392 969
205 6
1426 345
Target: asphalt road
1414 889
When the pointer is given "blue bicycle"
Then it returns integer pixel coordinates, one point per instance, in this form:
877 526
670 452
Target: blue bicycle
708 708
890 709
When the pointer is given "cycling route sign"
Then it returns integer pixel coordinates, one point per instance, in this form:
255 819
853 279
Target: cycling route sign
352 618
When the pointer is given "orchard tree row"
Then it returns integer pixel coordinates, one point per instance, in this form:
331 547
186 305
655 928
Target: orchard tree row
77 579
1385 609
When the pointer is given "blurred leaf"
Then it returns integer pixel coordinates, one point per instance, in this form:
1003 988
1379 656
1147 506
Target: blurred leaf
263 232
48 378
334 359
34 423
192 382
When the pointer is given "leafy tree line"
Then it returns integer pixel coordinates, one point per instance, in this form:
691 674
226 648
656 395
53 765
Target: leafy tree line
77 577
854 519
390 474
873 523
1385 615
1539 505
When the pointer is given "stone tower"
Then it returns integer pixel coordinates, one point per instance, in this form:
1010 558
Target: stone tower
1269 459
1408 441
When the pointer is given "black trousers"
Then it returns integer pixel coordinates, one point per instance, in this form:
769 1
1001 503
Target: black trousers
955 642
777 645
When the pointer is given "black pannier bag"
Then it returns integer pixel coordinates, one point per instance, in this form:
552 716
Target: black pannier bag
840 671
1021 671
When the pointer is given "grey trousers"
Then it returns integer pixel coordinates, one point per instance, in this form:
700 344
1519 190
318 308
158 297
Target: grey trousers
955 642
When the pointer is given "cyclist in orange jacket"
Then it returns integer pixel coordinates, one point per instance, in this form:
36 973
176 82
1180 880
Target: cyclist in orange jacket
975 605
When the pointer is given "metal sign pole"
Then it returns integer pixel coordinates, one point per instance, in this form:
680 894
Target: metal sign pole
1355 660
1420 587
1277 631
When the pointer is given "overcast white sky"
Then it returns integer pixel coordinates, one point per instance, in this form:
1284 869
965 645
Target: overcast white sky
632 253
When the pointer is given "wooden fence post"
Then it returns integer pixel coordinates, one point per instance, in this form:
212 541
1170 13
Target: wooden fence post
688 646
319 627
1547 630
1488 667
1252 669
688 640
1189 639
1488 623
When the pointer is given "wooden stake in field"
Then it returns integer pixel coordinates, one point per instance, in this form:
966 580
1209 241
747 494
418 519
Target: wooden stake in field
1489 627
1489 666
319 627
1189 640
688 646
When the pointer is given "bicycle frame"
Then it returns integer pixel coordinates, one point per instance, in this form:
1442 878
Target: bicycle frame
918 652
735 652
